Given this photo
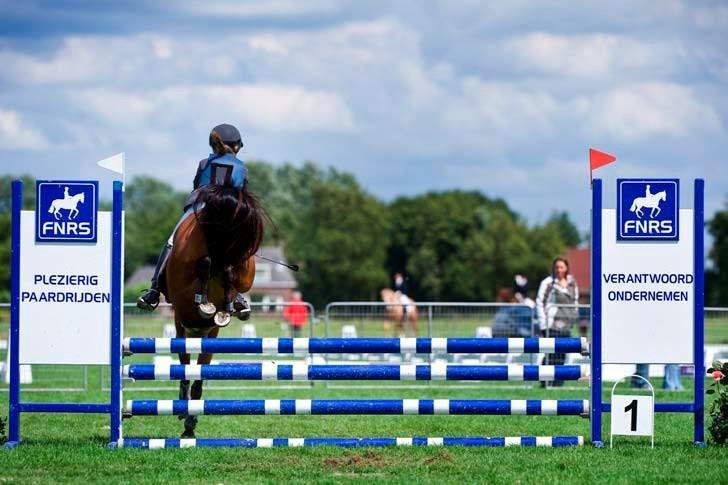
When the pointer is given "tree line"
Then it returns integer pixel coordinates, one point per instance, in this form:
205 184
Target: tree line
454 245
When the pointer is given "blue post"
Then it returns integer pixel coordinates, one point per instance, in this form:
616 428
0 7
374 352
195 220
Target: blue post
14 416
596 307
698 340
116 324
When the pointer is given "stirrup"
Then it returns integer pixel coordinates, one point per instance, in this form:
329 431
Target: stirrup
151 294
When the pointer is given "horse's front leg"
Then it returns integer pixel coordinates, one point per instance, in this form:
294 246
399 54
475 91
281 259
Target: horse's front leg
71 214
653 213
222 318
205 308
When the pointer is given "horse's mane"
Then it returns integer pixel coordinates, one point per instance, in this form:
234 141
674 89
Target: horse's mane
233 222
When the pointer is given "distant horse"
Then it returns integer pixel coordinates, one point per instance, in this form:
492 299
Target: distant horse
651 202
211 261
400 312
70 204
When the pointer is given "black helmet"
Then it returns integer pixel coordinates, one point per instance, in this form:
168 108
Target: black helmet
229 136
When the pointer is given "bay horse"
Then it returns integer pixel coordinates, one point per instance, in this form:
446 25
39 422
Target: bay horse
210 263
400 312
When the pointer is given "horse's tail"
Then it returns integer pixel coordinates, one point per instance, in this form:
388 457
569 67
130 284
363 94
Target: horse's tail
52 208
634 206
233 222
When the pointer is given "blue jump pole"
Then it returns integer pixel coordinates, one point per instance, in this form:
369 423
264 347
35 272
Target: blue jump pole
699 337
369 372
355 345
596 316
554 441
14 397
117 244
478 407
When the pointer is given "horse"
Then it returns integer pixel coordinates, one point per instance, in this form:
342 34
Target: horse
651 202
70 204
401 311
212 259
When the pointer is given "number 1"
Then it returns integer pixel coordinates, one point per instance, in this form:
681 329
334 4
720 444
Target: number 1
632 407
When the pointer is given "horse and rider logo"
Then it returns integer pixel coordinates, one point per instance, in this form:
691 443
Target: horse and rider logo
66 211
648 209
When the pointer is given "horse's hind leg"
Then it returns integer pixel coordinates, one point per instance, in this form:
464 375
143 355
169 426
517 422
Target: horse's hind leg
205 308
222 318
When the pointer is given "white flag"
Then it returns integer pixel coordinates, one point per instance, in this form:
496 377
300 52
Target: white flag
114 163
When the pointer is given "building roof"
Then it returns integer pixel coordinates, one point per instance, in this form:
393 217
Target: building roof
580 268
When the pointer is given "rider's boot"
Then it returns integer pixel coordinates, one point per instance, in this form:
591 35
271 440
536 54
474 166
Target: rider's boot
150 299
241 307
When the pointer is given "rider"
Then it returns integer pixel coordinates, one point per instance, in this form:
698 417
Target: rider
65 193
401 289
648 194
225 143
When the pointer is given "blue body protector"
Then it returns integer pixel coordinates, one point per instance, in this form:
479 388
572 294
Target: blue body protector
225 170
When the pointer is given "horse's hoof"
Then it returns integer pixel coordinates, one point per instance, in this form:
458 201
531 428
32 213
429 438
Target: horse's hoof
206 310
222 319
243 314
188 435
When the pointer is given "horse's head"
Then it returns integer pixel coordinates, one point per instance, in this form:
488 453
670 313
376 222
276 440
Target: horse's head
82 197
662 195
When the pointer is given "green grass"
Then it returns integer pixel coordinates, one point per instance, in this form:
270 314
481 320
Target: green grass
72 448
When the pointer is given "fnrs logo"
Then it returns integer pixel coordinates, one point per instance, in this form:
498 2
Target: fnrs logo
648 209
66 211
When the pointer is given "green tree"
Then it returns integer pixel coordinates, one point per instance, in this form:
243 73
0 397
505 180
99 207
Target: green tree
152 210
717 277
464 246
339 243
568 231
5 225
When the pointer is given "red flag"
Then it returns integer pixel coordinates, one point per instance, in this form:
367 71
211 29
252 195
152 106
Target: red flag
598 159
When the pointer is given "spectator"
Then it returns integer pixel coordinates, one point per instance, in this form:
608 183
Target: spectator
296 314
670 382
514 320
556 307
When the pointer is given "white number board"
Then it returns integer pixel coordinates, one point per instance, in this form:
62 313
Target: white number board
632 415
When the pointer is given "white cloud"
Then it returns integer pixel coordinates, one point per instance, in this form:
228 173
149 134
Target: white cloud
640 111
592 56
256 8
15 134
265 107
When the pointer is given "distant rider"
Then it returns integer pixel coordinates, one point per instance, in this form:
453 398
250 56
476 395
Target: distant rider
401 289
226 169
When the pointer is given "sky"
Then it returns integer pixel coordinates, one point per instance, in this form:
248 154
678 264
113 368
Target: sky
410 96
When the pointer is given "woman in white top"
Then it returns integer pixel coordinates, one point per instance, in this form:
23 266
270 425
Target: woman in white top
556 307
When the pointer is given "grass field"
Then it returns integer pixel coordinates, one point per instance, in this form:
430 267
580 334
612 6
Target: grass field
72 448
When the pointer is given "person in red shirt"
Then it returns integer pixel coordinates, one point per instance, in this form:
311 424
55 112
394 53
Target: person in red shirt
296 314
